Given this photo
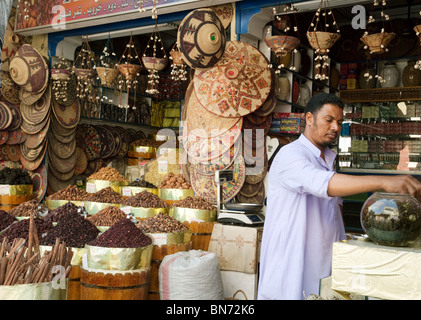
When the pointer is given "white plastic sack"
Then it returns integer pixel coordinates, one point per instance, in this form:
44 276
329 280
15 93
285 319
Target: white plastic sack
190 275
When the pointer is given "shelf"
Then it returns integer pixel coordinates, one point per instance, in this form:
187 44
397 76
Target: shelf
292 104
381 94
378 171
85 120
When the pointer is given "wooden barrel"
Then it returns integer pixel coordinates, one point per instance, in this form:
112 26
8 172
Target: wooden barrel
115 285
73 284
201 233
158 253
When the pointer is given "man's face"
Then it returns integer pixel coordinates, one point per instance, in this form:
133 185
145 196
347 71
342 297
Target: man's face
324 127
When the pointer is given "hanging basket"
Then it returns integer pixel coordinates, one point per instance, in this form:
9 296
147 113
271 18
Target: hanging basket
107 75
177 57
322 40
128 70
377 42
84 73
282 45
153 63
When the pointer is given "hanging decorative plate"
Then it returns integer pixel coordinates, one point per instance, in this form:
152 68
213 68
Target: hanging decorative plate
250 190
221 163
107 141
29 69
55 184
31 154
238 84
81 161
92 143
268 106
60 175
36 113
68 116
29 97
62 150
39 182
201 38
118 140
16 116
33 165
34 140
6 116
203 123
204 185
225 13
33 129
61 131
202 149
16 137
61 165
259 198
13 152
4 135
256 174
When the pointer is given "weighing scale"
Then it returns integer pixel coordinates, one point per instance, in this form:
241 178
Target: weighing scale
243 214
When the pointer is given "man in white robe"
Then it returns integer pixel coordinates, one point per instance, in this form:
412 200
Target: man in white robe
303 215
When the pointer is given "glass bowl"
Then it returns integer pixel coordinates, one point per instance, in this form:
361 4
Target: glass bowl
391 219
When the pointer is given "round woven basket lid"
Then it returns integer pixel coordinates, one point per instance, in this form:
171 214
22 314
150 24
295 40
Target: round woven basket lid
225 13
254 123
67 116
203 123
60 175
250 190
29 97
69 97
16 137
36 113
221 163
257 172
34 140
33 165
13 152
61 165
31 154
62 150
61 131
118 139
204 185
33 129
268 106
238 84
81 161
16 116
107 141
259 198
9 89
39 182
4 135
29 69
89 138
201 38
6 115
202 149
55 184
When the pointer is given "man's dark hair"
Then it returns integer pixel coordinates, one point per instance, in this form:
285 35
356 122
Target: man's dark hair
317 101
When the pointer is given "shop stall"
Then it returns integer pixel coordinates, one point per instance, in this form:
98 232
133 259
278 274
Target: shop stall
160 120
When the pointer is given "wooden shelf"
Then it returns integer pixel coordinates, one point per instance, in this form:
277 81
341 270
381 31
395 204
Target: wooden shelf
381 94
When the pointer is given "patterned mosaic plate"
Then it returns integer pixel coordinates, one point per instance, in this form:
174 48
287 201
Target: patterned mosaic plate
4 135
16 136
238 84
204 185
201 38
203 123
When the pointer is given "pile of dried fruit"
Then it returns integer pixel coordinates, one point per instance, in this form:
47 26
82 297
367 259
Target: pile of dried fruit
106 195
123 234
175 181
107 217
71 193
107 173
145 199
195 202
161 223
